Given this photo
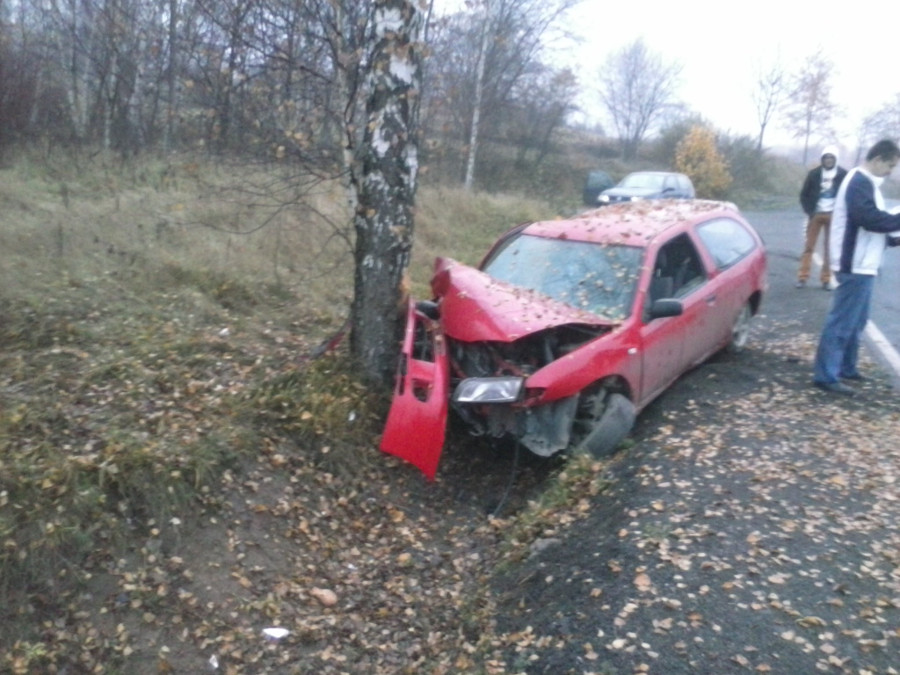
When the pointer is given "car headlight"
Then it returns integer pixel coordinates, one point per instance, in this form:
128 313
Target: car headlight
489 390
636 199
603 199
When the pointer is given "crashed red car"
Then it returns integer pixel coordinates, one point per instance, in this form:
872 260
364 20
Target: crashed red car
569 328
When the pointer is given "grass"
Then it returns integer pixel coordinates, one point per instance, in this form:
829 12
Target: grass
155 321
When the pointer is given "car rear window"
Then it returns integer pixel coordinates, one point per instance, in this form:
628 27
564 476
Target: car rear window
727 241
592 277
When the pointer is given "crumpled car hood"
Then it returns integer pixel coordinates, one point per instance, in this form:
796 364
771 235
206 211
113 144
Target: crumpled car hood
476 307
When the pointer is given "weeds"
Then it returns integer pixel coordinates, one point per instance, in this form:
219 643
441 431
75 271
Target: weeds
566 496
324 407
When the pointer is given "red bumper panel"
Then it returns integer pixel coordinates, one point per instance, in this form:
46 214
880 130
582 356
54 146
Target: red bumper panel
417 421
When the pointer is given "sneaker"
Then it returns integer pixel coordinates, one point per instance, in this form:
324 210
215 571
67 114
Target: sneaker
857 377
800 284
826 286
835 388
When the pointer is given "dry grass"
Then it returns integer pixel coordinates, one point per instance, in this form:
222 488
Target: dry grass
450 222
155 324
176 222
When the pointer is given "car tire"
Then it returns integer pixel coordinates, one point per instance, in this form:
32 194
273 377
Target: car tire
602 421
740 331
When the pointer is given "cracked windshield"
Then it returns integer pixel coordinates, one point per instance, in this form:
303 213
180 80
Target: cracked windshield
592 277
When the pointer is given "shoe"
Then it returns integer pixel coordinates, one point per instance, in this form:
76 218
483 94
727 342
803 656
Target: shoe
856 377
800 284
826 286
835 388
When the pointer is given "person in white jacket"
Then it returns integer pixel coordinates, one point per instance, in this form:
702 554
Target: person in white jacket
860 231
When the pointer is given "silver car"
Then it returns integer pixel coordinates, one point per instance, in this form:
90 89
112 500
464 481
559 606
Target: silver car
648 185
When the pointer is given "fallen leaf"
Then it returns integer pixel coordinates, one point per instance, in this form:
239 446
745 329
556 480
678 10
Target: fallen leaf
325 596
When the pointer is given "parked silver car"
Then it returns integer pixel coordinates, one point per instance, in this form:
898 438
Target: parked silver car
648 185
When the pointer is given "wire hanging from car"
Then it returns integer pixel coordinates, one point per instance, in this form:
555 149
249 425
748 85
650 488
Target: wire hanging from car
512 479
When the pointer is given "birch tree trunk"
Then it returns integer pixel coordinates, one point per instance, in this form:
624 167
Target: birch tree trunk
479 96
384 215
169 129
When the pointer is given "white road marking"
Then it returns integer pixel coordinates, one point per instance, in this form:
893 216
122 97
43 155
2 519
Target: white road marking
882 344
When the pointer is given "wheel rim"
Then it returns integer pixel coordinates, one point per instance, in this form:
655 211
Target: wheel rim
741 332
589 411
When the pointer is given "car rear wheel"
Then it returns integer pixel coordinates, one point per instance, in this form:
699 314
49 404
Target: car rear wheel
602 421
740 332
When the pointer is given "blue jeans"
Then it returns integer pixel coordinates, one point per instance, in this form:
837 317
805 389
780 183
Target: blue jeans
839 344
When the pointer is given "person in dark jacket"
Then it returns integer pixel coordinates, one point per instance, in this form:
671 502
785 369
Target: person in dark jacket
817 199
861 230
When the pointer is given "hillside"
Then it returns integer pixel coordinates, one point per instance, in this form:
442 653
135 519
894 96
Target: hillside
179 472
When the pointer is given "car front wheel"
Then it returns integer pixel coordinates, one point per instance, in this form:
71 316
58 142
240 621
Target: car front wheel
602 421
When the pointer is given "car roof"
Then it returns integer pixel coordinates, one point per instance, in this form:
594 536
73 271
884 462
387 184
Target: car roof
632 223
655 173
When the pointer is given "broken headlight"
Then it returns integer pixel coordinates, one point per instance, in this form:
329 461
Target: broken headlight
489 390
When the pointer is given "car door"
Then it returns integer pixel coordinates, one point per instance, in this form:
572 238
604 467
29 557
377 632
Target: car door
670 187
728 245
670 343
694 290
686 188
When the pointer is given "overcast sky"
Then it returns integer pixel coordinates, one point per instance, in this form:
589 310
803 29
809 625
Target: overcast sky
722 45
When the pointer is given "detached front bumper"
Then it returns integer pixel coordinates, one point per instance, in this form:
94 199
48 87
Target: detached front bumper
417 421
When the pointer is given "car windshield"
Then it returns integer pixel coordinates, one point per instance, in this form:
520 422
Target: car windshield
596 278
651 181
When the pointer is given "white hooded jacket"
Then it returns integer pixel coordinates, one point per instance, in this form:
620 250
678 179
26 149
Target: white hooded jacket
859 224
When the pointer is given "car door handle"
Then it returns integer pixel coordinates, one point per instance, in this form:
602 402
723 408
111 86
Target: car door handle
710 299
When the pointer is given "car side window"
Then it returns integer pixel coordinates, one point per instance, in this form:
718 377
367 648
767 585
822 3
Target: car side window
727 241
678 269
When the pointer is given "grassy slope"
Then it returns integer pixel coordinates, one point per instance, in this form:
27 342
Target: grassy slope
162 432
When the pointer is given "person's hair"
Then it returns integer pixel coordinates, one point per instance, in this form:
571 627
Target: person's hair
884 149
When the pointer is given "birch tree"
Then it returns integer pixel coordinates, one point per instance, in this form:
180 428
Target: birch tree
480 58
386 186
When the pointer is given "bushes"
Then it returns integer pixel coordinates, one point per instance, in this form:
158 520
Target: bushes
696 155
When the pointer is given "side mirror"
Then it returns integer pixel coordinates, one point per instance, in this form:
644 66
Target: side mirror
665 307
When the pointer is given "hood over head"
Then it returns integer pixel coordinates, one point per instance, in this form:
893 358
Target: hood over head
830 150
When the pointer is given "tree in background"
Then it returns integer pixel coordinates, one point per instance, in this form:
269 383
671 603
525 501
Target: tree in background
751 170
637 88
809 105
768 97
486 65
697 156
663 147
883 123
534 120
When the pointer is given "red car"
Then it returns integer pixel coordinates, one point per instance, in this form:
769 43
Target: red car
569 328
